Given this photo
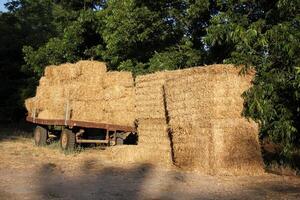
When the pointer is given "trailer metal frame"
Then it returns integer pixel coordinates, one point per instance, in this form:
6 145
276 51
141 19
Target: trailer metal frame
110 139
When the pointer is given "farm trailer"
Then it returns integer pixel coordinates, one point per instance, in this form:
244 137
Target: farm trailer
71 132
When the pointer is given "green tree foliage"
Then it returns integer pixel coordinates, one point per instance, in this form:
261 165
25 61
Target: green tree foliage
265 36
26 22
79 40
32 25
145 35
140 36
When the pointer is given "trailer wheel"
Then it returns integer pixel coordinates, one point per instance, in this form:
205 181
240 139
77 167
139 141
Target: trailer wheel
40 136
67 140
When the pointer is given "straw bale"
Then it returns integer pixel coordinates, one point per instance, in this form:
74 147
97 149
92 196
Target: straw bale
95 95
117 92
50 71
207 127
137 154
151 106
124 104
44 81
56 105
154 138
112 112
122 117
30 104
48 114
62 73
192 147
149 89
92 72
50 108
150 78
50 92
91 111
123 79
230 158
83 92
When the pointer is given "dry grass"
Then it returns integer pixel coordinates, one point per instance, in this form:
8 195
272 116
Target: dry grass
29 172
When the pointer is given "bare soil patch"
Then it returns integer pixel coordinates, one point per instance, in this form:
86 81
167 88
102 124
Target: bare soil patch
29 172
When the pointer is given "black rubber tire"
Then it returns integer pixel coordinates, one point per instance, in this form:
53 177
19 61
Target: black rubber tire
40 136
67 140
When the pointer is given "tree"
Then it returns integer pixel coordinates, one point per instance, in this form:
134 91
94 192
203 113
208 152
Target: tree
36 23
142 36
26 22
266 36
80 40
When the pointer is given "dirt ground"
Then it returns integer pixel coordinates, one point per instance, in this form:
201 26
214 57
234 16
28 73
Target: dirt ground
29 172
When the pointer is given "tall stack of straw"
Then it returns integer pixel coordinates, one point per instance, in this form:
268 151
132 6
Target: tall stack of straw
208 132
154 140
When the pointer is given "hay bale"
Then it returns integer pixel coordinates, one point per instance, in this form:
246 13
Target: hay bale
149 96
94 94
192 147
83 92
198 107
49 114
154 141
119 107
50 92
62 73
236 150
123 79
50 108
30 105
118 92
149 89
150 101
89 111
92 72
44 81
86 71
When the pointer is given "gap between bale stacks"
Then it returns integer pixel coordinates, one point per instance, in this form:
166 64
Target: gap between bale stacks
208 132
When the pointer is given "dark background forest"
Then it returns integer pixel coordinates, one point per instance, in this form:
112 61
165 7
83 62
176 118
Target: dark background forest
145 36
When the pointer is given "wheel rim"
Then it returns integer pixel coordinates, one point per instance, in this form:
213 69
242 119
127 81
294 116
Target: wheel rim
64 141
37 136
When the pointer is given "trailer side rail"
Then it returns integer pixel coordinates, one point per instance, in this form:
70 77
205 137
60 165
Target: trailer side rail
74 123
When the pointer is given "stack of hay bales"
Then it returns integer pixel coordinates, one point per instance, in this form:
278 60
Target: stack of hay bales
208 132
89 92
201 106
154 141
119 106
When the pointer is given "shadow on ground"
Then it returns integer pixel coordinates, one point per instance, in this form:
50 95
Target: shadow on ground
107 183
96 181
